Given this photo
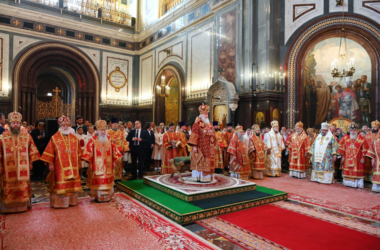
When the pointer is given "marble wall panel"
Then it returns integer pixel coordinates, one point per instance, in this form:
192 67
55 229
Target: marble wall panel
227 45
4 65
147 75
200 58
109 94
298 12
93 54
370 9
21 42
171 51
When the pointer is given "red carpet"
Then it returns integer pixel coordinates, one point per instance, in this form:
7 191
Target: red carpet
121 224
279 228
360 202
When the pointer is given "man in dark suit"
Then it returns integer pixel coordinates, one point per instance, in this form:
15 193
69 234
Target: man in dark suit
149 146
79 123
41 142
137 139
2 121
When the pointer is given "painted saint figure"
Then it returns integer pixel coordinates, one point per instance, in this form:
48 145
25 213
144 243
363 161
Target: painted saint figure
17 154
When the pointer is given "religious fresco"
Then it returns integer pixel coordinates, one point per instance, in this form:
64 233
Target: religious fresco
220 115
326 98
227 45
275 114
171 102
260 118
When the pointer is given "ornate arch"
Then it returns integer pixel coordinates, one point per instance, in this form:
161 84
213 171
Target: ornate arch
356 25
181 83
55 47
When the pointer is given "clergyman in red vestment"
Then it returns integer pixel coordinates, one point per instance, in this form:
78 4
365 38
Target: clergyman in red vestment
298 146
374 153
353 149
17 153
63 154
101 154
203 142
257 157
370 137
170 142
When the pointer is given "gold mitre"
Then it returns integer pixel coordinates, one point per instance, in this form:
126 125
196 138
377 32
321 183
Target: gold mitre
274 123
14 117
238 128
255 127
299 125
375 124
64 120
310 130
203 109
101 124
353 126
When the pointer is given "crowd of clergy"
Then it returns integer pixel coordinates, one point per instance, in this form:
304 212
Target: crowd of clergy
107 149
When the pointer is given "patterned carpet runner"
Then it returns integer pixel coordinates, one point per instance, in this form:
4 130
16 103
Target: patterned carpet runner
123 223
359 202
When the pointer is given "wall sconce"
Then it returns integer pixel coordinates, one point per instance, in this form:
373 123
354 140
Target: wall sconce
339 2
163 90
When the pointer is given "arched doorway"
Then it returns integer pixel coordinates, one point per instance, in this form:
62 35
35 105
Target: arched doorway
358 29
169 89
55 69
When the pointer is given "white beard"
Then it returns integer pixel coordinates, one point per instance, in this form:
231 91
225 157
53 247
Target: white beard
102 138
64 132
353 137
205 121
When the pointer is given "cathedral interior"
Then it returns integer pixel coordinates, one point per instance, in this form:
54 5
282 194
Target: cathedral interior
309 68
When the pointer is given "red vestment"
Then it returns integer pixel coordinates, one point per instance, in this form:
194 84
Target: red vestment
64 152
169 152
182 147
239 151
370 137
227 139
298 146
353 151
374 153
203 137
119 139
258 157
17 153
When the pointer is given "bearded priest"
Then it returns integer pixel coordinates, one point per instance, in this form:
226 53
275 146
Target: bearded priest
170 141
353 149
17 153
298 146
323 155
118 138
203 142
220 145
370 137
239 150
102 155
275 144
227 138
258 156
374 154
63 154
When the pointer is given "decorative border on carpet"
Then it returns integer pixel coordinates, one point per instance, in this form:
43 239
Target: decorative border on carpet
171 235
199 215
238 235
319 213
371 213
197 197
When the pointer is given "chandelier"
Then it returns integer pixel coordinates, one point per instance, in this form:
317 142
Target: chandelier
342 67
